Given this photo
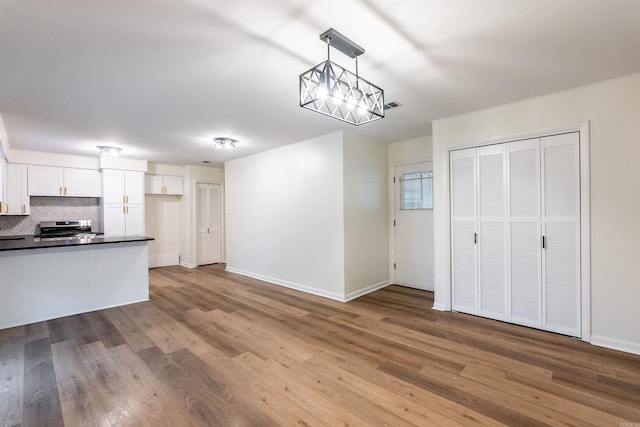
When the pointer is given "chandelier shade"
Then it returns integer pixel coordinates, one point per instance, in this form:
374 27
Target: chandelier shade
332 90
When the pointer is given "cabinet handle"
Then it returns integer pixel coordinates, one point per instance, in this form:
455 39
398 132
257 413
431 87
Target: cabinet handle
543 243
124 210
0 207
24 209
127 210
65 191
60 191
124 200
6 208
127 199
475 238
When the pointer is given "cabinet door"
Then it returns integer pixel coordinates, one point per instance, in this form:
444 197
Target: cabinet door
463 230
153 184
561 230
114 221
492 232
82 183
134 187
134 220
525 242
17 197
112 187
46 181
172 184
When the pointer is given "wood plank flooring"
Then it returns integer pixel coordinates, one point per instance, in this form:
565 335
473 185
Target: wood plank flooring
216 349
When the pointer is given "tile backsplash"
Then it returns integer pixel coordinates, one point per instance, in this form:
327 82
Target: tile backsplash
52 209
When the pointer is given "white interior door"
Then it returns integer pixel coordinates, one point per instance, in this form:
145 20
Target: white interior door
525 243
413 231
492 232
208 227
561 230
464 252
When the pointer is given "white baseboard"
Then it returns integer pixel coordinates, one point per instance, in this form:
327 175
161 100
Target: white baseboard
438 307
163 260
612 343
353 295
187 265
290 285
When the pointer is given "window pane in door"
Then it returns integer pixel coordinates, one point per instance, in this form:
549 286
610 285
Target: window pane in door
417 190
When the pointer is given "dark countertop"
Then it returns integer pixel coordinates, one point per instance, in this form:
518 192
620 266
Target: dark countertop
14 243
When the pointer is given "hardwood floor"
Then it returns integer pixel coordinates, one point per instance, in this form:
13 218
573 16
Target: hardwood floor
213 348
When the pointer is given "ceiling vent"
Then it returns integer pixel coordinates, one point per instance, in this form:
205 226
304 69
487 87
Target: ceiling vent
392 104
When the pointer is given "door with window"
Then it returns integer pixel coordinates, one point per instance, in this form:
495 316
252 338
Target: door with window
209 235
413 225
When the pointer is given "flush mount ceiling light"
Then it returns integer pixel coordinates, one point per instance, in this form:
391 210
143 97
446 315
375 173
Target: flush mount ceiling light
223 142
331 90
106 150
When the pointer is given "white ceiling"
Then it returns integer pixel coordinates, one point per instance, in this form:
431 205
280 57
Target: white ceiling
160 78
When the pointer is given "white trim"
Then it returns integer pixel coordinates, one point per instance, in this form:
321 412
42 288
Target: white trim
163 260
187 264
612 343
290 285
439 307
371 288
585 230
585 217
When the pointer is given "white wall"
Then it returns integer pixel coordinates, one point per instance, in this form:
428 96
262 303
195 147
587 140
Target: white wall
612 109
411 150
285 216
163 216
366 215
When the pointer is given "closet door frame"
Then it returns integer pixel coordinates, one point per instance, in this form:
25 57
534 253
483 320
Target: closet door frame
445 302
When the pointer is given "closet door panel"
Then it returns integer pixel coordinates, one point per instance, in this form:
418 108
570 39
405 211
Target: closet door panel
561 290
464 268
492 235
525 232
561 230
525 274
492 270
463 229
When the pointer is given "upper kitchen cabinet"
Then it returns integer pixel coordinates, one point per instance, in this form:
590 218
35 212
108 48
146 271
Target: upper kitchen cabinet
16 198
163 184
53 181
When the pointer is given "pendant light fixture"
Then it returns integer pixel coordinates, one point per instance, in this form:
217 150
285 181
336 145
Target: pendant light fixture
334 91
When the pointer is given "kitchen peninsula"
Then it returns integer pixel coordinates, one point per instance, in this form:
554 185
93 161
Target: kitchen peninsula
42 280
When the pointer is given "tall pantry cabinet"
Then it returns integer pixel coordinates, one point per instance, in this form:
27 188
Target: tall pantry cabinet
123 203
515 232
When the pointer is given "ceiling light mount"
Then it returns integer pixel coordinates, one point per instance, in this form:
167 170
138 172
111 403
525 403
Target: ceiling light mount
107 150
224 142
334 91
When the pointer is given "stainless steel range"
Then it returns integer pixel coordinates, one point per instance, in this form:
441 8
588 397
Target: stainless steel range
64 230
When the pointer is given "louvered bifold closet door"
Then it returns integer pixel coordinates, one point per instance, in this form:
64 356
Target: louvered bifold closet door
492 232
561 231
525 242
463 230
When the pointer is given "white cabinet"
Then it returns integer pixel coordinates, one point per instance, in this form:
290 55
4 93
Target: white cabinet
515 232
163 184
123 203
16 200
53 181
